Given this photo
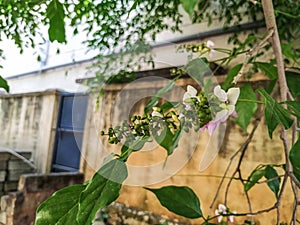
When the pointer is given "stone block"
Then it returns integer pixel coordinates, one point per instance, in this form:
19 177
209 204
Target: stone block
3 218
10 186
44 182
18 165
2 175
3 202
14 175
3 164
4 155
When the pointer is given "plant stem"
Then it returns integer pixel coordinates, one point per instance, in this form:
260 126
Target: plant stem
250 100
270 20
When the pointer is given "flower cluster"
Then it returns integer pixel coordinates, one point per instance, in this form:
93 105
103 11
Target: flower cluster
227 101
222 102
201 48
197 111
223 211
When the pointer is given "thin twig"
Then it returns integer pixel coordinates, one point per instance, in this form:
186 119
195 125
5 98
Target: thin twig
250 53
230 163
294 215
243 151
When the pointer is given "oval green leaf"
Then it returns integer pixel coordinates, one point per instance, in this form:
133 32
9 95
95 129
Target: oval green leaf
180 200
102 190
295 159
61 208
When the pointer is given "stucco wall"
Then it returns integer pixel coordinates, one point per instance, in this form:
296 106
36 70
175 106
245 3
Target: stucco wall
204 183
28 122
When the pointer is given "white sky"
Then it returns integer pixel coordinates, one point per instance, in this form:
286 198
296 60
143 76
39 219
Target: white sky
16 63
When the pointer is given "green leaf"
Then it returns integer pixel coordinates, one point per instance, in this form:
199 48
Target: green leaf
294 107
154 100
230 75
196 69
244 107
274 183
102 190
254 177
180 200
167 139
189 6
61 208
130 146
168 105
56 16
269 69
271 86
288 50
3 84
295 159
275 113
293 81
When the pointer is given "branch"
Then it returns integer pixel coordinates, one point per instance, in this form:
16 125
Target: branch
250 53
242 148
270 20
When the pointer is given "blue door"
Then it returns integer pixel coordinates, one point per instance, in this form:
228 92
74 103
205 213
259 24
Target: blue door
69 132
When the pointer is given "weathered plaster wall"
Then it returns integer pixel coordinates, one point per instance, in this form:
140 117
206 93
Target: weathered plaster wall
205 183
28 122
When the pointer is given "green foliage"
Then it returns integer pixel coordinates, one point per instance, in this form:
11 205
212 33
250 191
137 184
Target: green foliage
3 84
273 179
78 204
167 139
293 81
102 190
56 16
274 113
246 106
294 108
189 6
180 200
295 159
267 171
230 76
197 69
155 99
61 208
269 69
254 177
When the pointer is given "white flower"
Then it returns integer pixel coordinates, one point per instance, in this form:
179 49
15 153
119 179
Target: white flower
228 101
222 211
190 93
210 45
181 115
231 217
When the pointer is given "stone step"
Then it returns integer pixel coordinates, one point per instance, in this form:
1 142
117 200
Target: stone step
3 165
2 175
18 165
14 175
10 186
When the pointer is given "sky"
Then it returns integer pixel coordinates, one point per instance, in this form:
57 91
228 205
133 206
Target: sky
16 63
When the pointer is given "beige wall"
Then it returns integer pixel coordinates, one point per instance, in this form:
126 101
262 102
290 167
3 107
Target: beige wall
28 122
204 183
